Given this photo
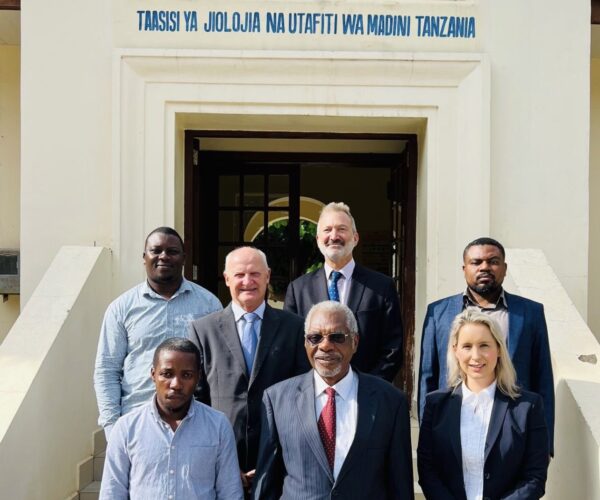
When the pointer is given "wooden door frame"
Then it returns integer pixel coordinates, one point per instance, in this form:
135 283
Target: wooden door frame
405 377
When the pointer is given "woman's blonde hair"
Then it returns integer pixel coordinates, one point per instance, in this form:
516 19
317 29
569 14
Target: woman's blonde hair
506 377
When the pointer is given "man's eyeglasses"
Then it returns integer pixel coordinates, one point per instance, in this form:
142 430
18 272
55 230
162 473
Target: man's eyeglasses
335 338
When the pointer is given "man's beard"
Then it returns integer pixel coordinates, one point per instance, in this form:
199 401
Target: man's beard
487 289
338 255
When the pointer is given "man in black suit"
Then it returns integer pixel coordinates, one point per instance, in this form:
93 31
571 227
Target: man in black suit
334 432
370 295
246 348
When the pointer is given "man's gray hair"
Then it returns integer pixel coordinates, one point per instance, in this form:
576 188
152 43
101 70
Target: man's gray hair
333 307
338 207
259 252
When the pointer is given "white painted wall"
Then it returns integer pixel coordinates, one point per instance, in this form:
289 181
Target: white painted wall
9 168
574 470
66 130
594 256
539 55
47 405
538 137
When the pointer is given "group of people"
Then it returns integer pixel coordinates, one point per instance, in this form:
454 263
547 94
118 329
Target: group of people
251 401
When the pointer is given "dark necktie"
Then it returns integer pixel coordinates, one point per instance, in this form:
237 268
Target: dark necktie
332 290
326 426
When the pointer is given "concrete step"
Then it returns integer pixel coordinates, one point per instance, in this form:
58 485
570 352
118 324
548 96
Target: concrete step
99 466
418 492
89 470
90 492
414 464
414 432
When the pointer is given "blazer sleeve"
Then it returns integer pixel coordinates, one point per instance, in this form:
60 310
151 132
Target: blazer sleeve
429 366
536 460
542 378
202 392
268 483
432 485
400 471
390 352
289 304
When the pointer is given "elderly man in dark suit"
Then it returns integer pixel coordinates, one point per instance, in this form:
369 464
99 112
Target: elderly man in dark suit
370 295
334 432
246 348
521 320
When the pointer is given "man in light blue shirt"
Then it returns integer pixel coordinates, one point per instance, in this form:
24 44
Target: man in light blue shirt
172 447
139 320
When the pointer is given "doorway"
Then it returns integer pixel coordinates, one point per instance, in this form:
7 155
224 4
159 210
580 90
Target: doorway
271 199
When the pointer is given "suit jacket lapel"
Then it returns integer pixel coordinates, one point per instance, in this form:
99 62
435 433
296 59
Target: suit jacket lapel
367 412
305 404
453 416
516 315
357 288
455 307
228 331
268 332
318 286
496 420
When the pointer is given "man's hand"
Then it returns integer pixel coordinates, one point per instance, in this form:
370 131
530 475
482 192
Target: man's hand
247 478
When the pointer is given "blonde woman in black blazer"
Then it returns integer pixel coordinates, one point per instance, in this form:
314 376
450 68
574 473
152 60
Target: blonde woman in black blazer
482 438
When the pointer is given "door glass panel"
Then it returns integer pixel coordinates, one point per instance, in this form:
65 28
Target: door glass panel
279 188
254 190
254 221
229 190
229 225
278 229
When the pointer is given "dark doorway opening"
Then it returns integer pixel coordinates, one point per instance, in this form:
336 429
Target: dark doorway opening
271 200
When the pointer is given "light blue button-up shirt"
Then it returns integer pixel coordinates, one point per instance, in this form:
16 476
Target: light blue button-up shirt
134 325
146 459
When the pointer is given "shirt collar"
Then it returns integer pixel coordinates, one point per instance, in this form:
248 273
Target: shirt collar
468 300
346 271
486 395
238 312
343 388
183 288
156 415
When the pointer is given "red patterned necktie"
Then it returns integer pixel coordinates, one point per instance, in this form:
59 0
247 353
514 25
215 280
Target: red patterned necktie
326 426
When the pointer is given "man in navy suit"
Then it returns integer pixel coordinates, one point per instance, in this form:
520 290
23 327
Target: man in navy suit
370 295
521 320
334 432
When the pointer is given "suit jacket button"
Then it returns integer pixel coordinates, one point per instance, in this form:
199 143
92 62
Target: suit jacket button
487 475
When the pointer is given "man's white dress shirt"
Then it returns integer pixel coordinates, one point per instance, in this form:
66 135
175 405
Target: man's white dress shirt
344 281
346 413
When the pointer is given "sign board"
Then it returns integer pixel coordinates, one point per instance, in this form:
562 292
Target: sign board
282 25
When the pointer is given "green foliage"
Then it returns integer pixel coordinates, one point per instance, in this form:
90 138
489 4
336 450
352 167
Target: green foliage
309 257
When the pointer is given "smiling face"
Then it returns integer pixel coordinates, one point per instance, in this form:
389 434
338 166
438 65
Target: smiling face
329 359
247 277
175 375
335 238
477 354
163 259
484 269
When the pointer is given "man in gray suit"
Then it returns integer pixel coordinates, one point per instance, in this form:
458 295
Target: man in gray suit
244 349
334 432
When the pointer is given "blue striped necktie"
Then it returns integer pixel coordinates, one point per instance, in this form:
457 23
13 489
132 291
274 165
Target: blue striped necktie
332 290
249 340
